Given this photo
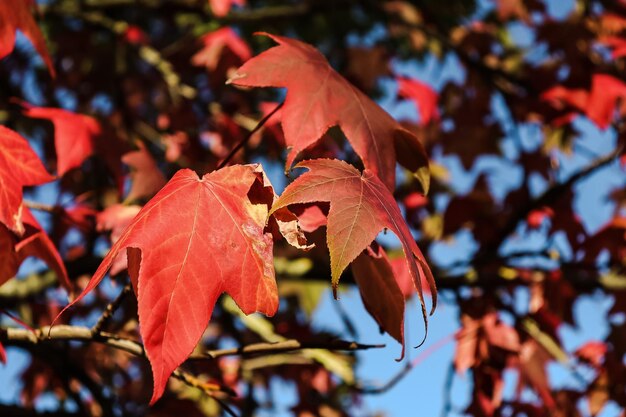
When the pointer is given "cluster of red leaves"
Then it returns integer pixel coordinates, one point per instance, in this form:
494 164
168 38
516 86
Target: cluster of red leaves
217 226
227 223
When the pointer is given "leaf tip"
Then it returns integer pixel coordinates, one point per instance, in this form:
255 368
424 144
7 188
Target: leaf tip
423 177
236 76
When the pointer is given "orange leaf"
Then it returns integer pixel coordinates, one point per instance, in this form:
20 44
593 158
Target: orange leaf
16 15
196 239
319 98
73 135
380 292
360 207
19 167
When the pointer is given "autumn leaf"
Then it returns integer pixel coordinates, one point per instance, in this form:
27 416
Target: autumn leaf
360 207
598 104
37 243
73 135
367 65
424 97
34 242
196 239
19 167
146 176
616 44
115 219
319 98
592 352
380 292
9 262
16 15
220 8
216 44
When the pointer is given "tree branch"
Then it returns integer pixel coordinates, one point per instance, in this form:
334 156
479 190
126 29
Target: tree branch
48 335
288 346
110 309
549 197
245 140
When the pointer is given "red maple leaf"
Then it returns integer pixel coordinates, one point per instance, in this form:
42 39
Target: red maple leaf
34 242
360 207
380 292
73 135
196 239
616 44
146 176
319 98
221 8
37 243
216 43
16 15
598 104
424 97
116 218
9 262
19 167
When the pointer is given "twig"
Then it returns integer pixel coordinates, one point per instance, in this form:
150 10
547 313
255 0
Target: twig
248 136
289 345
409 366
40 206
13 291
110 309
146 53
447 394
47 335
548 198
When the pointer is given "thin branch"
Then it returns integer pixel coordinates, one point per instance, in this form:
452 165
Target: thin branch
549 197
245 140
17 411
146 53
14 292
447 393
47 335
40 206
393 381
288 346
110 309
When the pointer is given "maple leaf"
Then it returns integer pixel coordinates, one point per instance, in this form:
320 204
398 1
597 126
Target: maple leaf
216 43
592 352
367 65
35 242
598 104
424 97
196 239
73 135
616 44
146 176
9 262
220 8
19 167
361 206
116 218
380 292
319 98
16 15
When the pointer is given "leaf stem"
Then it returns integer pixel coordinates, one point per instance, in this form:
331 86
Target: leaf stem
246 139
